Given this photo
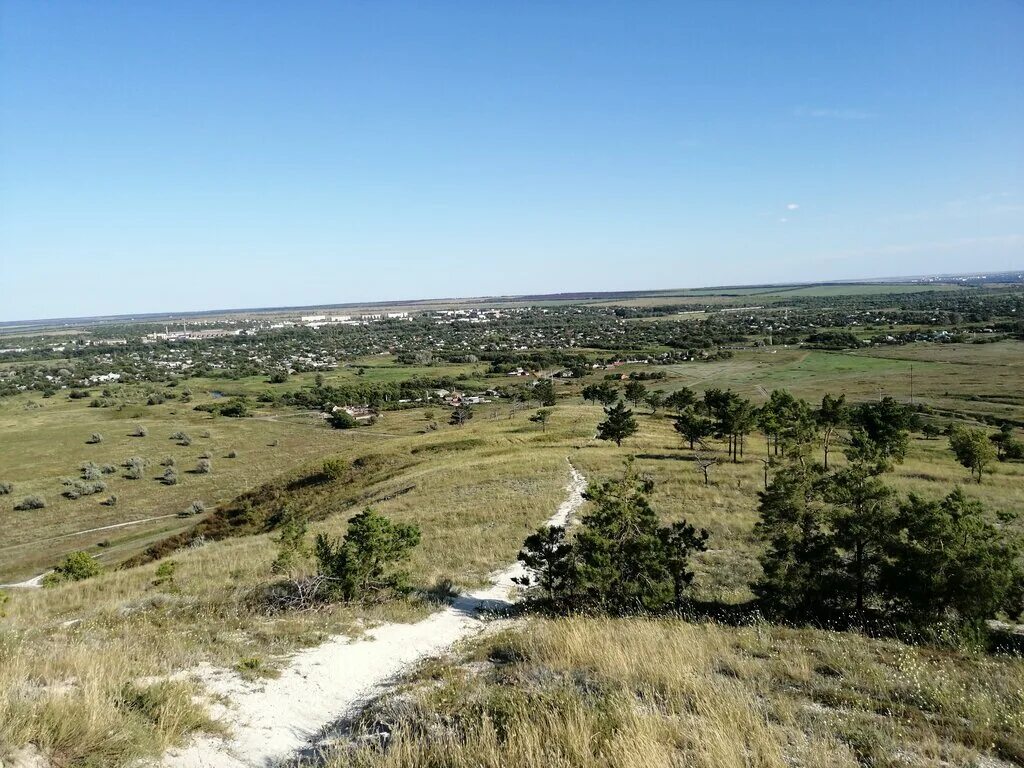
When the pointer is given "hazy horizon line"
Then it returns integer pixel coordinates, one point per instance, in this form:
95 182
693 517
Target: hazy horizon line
142 316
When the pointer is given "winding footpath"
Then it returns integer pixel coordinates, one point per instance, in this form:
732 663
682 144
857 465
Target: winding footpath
274 721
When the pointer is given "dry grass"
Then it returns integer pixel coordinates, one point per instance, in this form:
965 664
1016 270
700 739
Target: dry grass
72 649
642 693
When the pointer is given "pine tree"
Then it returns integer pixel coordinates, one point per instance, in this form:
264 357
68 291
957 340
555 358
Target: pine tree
618 425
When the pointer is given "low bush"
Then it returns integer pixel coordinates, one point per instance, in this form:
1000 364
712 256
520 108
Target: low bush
195 508
77 566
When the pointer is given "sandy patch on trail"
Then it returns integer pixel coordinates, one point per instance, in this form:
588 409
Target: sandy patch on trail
273 720
36 582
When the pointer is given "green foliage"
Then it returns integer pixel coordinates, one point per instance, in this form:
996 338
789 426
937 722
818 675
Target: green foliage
972 448
678 541
692 426
342 419
541 417
548 555
654 400
880 432
621 561
796 544
734 417
618 424
235 408
953 564
292 547
164 575
635 392
544 392
1013 450
604 393
332 469
362 565
77 566
788 423
841 547
680 400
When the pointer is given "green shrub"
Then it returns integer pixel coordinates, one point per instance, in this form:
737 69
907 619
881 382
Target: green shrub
164 574
77 566
31 502
362 564
332 469
342 420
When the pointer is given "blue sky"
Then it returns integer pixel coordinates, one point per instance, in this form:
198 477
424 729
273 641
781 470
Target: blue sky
159 156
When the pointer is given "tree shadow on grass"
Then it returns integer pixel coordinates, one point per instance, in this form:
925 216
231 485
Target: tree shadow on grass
665 456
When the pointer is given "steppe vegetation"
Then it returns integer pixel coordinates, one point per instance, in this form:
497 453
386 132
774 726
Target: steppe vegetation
725 657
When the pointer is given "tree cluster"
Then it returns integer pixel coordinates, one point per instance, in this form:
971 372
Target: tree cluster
620 560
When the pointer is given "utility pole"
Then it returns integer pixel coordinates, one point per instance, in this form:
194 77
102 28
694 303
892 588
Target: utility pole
911 383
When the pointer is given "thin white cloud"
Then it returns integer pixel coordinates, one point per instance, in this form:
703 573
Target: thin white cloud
792 206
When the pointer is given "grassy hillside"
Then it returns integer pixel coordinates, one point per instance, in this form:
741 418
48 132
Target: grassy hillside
635 693
43 440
